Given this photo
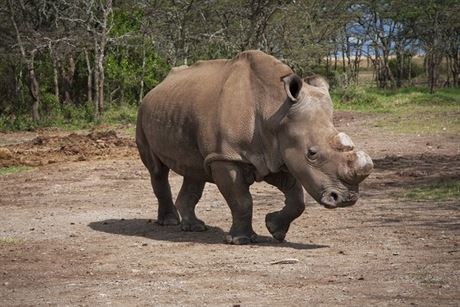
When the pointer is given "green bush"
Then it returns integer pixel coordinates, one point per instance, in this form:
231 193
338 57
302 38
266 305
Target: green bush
415 71
354 95
15 122
120 114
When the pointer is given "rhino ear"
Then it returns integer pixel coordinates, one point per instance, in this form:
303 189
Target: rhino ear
317 81
292 86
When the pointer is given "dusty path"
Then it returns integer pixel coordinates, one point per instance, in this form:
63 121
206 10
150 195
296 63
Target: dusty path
81 233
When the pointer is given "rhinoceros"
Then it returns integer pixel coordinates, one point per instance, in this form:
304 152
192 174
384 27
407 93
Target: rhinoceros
234 122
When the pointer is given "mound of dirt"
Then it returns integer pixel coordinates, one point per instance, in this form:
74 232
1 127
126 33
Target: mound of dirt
44 150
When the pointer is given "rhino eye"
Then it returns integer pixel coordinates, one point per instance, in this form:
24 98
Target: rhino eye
312 153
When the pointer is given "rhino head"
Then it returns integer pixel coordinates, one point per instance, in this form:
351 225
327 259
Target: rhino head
323 159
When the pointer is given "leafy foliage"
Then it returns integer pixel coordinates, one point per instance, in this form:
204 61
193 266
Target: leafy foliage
67 61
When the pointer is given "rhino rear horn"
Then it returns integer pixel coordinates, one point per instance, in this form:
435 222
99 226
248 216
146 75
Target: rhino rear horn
292 85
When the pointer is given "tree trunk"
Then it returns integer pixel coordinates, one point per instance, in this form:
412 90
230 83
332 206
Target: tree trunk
141 90
388 75
55 72
432 64
447 83
20 86
105 29
90 78
96 78
399 64
335 60
434 55
409 68
100 85
68 79
34 88
454 66
431 73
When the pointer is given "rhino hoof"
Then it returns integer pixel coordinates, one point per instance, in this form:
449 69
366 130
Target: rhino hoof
273 225
280 235
168 220
240 240
197 226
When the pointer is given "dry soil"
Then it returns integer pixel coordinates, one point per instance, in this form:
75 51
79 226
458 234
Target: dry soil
79 229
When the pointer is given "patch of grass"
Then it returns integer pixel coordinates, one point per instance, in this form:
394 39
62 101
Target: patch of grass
424 120
125 114
128 131
71 117
406 110
14 169
10 240
442 191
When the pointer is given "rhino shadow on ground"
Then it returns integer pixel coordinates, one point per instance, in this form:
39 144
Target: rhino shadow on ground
418 170
149 229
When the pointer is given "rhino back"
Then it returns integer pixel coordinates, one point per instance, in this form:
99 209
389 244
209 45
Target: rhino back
176 116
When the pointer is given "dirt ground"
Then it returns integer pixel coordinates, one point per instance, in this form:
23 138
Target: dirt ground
79 229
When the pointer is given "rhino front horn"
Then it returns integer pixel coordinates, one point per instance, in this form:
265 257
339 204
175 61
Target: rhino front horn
363 166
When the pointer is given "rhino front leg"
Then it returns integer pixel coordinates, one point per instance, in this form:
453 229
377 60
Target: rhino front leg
278 222
231 181
189 195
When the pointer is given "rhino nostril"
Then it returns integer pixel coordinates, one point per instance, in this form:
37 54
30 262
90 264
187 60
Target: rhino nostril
334 196
330 199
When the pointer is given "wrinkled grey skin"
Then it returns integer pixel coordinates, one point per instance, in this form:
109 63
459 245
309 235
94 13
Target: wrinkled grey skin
233 122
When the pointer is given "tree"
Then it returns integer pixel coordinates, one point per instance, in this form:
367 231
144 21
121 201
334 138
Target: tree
434 24
29 44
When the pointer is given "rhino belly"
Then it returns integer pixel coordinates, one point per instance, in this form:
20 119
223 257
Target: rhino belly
176 145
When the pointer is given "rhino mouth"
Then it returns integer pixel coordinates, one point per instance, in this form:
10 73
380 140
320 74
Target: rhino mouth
334 199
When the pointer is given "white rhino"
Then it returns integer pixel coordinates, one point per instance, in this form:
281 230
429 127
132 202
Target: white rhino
233 122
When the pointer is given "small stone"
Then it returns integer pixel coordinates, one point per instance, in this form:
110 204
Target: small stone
285 261
5 153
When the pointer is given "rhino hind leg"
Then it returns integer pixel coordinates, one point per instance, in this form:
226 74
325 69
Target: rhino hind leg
278 222
189 195
167 213
232 183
